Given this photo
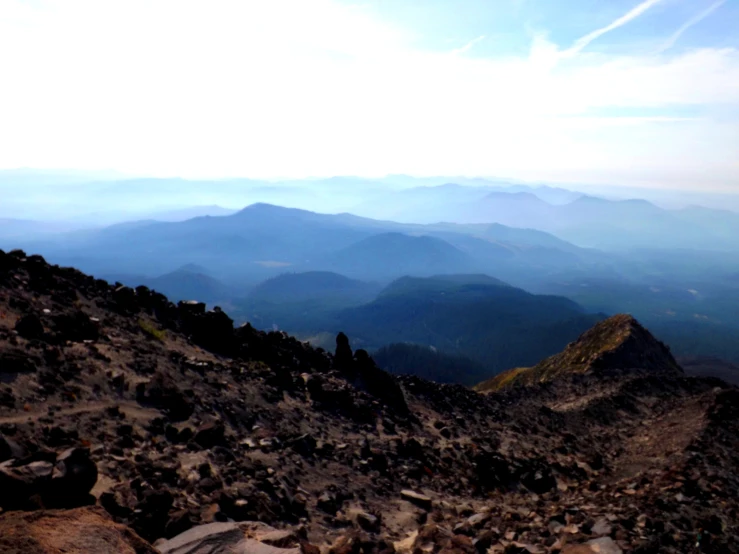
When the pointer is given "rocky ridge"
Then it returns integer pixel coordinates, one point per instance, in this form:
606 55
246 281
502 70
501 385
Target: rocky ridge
617 343
135 417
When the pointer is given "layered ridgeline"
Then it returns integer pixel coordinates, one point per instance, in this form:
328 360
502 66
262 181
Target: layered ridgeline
491 324
688 298
132 424
620 342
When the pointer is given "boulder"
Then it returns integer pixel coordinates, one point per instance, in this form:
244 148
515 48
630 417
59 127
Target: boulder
65 483
224 538
19 484
191 307
78 531
10 449
125 299
211 434
211 330
73 478
420 500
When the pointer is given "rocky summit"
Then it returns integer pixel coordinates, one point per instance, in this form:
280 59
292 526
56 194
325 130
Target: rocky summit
132 424
616 344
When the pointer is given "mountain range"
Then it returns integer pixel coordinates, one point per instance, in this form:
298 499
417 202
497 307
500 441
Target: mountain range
588 221
264 240
687 297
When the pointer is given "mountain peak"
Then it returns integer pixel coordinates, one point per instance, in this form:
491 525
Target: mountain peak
619 342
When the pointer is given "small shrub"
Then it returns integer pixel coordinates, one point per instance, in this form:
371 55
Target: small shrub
149 329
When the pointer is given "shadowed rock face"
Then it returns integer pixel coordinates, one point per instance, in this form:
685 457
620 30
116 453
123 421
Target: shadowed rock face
169 419
617 343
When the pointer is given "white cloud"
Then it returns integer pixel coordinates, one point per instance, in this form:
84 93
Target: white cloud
620 22
670 42
312 87
468 46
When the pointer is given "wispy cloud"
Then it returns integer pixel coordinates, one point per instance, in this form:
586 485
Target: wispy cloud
467 46
670 42
582 42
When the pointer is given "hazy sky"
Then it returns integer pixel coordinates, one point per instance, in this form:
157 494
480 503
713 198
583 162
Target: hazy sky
584 90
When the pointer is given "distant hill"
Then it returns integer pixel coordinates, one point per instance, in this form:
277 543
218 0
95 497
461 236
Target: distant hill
301 301
460 200
311 285
619 342
426 362
509 208
386 255
185 284
700 338
710 366
183 214
588 221
494 324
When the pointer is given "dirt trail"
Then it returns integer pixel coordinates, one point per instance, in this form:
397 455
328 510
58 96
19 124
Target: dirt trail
658 442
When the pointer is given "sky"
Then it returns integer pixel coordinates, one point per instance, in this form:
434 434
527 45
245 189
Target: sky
602 91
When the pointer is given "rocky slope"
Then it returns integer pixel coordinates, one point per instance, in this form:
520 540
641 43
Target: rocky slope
167 418
617 343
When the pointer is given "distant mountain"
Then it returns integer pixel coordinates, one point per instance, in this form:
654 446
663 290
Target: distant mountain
473 316
587 221
700 338
717 221
311 285
183 214
386 255
186 283
496 325
301 302
617 343
424 204
551 195
710 366
517 209
262 241
427 362
441 284
460 200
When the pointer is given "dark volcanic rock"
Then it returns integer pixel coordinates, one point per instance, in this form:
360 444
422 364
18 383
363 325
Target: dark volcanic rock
75 326
30 327
14 360
62 481
74 476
